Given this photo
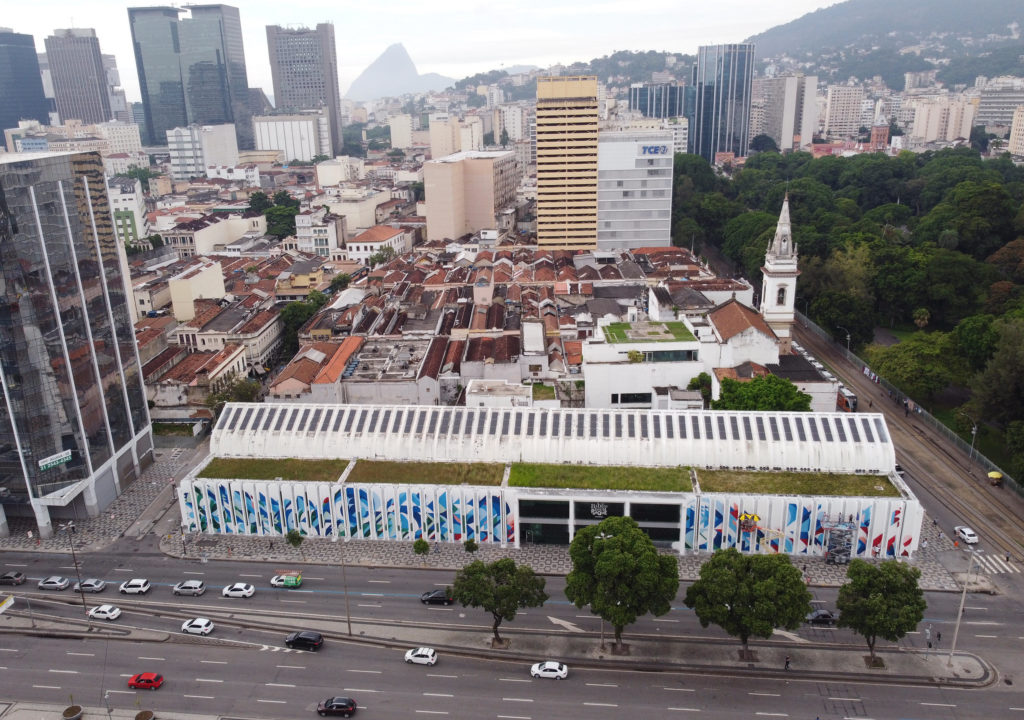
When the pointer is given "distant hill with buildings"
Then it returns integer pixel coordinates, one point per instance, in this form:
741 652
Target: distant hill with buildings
393 74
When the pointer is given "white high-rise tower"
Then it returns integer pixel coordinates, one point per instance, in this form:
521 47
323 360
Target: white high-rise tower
778 294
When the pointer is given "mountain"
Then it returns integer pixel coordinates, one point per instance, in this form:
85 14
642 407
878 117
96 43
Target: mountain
393 74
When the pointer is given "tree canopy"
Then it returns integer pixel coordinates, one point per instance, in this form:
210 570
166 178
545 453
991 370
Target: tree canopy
749 595
768 392
501 588
881 601
259 202
618 572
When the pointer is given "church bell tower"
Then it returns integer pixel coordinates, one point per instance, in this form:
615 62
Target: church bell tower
778 289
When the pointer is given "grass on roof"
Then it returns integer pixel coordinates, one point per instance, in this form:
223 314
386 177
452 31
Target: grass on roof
179 429
425 473
543 392
604 477
792 483
647 332
269 469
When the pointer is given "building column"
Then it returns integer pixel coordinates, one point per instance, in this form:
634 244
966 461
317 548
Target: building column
5 531
92 505
43 519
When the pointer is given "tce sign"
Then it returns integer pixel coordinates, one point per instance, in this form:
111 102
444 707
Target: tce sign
654 149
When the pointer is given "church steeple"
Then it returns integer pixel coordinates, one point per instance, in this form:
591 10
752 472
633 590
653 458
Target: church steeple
778 291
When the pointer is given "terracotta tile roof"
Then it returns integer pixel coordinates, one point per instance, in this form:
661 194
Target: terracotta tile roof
499 350
258 321
732 317
433 359
573 352
453 356
376 234
333 368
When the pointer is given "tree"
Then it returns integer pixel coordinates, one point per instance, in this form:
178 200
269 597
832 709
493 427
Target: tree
488 139
500 588
340 282
703 383
999 388
143 175
769 392
281 220
239 389
921 365
618 572
294 315
283 198
259 202
749 595
471 546
881 600
382 256
320 158
503 141
295 538
421 547
763 143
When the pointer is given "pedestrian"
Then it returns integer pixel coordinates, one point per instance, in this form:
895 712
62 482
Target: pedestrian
924 544
934 522
929 644
1007 557
870 402
938 637
787 662
270 545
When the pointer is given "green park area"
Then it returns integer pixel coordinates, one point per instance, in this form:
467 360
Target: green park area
793 483
270 469
600 477
647 332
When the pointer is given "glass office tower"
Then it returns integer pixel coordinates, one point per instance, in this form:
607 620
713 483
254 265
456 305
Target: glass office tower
21 85
722 80
74 425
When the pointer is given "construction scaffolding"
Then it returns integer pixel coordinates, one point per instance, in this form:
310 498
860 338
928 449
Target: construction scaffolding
838 540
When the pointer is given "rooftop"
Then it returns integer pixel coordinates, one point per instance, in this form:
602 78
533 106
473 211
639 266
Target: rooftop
647 332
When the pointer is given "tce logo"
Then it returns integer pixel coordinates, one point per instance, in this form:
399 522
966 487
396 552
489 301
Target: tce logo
654 150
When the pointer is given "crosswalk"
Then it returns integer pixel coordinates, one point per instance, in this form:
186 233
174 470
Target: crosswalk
994 564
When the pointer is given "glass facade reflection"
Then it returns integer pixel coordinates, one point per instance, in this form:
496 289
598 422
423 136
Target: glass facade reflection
72 386
722 81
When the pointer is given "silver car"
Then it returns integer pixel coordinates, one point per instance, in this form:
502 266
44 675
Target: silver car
190 587
54 582
92 585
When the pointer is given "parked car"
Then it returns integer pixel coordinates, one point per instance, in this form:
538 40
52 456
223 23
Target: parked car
422 656
243 590
966 534
146 681
344 706
54 582
437 597
197 626
821 617
135 586
105 612
12 578
92 585
305 640
190 587
550 669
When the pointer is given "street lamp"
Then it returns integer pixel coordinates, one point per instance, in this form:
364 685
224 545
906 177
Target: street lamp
69 528
963 598
974 433
840 327
602 536
106 699
344 580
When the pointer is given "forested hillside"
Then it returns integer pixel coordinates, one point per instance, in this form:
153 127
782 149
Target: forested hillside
930 246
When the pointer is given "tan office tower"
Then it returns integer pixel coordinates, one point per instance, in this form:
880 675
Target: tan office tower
567 162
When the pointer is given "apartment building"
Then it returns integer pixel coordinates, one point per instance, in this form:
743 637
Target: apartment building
465 192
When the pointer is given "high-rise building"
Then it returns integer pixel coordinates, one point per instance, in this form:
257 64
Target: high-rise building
566 132
79 77
73 418
302 136
843 110
943 118
118 100
634 189
21 85
401 131
466 192
193 148
191 69
659 101
1016 145
789 113
304 69
721 114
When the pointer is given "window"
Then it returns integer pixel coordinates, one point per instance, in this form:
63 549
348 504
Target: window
615 398
780 298
635 398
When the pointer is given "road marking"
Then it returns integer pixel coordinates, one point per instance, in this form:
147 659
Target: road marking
515 717
214 662
123 692
17 565
440 584
600 704
292 667
367 672
143 657
382 582
3 667
295 602
432 712
279 685
8 650
986 636
845 699
361 690
64 672
310 577
601 685
679 689
244 575
47 687
764 694
293 590
199 697
937 704
764 714
276 702
438 694
441 609
517 699
82 654
586 616
208 680
450 677
685 709
665 620
375 605
372 594
565 624
513 680
191 572
123 570
66 567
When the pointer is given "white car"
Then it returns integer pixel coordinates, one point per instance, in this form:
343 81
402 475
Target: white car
92 585
197 626
421 656
243 590
54 582
550 669
135 586
966 534
105 612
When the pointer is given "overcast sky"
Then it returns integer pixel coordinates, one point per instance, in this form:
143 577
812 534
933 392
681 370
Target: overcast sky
463 38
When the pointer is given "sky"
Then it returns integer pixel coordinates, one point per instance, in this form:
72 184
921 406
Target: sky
463 38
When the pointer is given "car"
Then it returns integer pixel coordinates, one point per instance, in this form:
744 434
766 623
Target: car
821 617
92 585
135 586
287 580
12 578
305 640
239 590
105 612
966 534
190 587
197 626
437 597
54 582
344 706
900 471
550 669
422 656
146 681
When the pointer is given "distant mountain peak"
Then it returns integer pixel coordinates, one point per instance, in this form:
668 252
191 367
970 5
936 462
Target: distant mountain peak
394 73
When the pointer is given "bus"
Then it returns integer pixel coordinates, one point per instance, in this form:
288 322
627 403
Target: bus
846 401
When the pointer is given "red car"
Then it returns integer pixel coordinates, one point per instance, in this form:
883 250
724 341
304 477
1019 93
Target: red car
146 681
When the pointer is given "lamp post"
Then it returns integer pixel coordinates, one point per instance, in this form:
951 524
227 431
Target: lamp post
960 613
344 581
69 528
602 536
974 433
840 327
106 699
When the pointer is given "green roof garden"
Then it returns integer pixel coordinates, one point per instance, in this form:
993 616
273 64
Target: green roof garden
643 332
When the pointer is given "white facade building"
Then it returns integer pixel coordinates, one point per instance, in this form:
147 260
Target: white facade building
320 233
128 210
195 147
843 110
121 137
634 189
375 239
248 173
943 119
301 136
401 131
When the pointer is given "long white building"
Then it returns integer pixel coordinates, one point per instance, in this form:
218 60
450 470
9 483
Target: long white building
301 136
634 189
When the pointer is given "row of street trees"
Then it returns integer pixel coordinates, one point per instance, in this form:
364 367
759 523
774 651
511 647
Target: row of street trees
619 574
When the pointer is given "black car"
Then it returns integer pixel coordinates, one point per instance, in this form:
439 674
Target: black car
305 640
12 578
437 597
343 706
821 617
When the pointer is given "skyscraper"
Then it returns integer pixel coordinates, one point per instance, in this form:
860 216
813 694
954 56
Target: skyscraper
721 113
304 68
567 161
21 86
191 69
789 110
79 76
74 427
660 101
